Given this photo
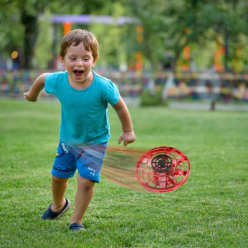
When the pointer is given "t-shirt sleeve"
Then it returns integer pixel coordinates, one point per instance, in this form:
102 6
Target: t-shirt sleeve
50 83
112 94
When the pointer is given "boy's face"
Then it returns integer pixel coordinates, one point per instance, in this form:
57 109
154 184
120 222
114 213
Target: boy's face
78 63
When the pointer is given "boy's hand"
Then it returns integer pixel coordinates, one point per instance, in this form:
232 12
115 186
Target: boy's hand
127 137
30 98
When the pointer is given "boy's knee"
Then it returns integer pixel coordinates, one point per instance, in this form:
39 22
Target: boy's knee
59 180
85 184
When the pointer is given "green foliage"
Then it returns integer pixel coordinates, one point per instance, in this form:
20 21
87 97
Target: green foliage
63 7
209 210
26 14
167 26
44 42
155 99
149 99
112 47
11 30
205 21
149 14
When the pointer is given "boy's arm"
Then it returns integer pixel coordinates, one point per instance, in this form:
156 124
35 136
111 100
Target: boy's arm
127 135
36 88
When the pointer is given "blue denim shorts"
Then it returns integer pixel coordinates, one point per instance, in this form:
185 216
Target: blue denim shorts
88 161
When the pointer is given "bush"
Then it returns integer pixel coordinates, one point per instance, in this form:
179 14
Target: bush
148 99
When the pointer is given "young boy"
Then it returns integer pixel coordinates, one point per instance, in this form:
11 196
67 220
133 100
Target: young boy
84 129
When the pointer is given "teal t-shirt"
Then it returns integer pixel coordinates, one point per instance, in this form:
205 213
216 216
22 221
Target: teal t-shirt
84 113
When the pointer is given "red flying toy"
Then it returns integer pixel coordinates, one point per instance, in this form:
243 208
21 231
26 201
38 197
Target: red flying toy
162 169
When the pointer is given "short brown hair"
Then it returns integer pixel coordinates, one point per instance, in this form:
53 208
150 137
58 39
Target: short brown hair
75 37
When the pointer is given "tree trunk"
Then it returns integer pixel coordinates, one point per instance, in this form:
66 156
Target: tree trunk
30 23
226 40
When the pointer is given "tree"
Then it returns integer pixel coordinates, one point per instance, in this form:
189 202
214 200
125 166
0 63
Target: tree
11 31
149 14
27 13
171 25
201 21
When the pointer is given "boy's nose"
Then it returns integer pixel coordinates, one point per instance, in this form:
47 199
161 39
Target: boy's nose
79 62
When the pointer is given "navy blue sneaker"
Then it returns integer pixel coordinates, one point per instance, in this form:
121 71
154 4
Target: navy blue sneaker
49 214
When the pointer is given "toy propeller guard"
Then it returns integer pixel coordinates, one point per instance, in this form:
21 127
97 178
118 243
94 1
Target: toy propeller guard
162 169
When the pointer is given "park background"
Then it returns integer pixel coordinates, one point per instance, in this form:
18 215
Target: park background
142 43
172 61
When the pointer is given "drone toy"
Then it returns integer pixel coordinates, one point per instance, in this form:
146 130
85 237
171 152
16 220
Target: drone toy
162 169
159 170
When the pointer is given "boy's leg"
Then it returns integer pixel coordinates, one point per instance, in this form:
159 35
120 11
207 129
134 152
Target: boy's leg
59 186
89 165
83 197
60 205
64 167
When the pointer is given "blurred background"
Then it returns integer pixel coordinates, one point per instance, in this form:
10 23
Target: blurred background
186 53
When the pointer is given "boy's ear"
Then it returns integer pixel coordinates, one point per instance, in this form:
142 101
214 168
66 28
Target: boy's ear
94 62
62 60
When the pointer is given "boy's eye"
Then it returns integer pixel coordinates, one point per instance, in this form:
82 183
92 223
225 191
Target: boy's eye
73 58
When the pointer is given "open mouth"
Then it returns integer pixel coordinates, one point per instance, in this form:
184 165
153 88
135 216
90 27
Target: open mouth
78 73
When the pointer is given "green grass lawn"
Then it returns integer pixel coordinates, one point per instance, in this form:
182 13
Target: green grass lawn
209 210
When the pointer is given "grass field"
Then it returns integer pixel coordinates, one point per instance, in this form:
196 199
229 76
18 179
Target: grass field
209 210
